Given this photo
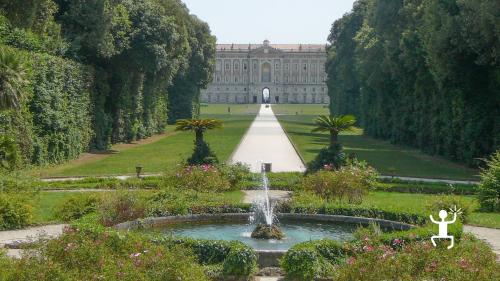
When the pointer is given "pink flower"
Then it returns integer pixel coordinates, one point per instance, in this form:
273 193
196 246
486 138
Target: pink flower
135 255
368 248
351 260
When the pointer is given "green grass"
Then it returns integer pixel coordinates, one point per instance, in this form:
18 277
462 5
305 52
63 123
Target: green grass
235 109
44 205
300 109
418 202
387 158
161 155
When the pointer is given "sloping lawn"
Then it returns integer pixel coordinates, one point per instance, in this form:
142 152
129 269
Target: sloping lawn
155 157
387 158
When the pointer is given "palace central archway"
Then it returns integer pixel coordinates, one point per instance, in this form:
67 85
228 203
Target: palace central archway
266 95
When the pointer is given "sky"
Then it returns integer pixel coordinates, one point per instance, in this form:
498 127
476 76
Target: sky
279 21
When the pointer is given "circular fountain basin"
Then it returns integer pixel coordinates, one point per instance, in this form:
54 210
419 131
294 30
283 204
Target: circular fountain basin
297 228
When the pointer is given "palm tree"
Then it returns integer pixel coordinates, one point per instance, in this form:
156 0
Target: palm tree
12 79
334 125
199 126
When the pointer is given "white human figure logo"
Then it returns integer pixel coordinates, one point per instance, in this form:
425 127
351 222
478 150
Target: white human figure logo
443 228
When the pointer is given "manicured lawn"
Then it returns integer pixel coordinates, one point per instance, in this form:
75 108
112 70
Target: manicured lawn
300 109
418 202
235 109
156 157
44 205
387 158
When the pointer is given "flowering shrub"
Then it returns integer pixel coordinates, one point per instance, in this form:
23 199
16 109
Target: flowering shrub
205 178
349 182
489 188
468 260
118 207
368 259
109 255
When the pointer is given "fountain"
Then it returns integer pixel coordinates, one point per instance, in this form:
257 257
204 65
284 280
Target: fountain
264 214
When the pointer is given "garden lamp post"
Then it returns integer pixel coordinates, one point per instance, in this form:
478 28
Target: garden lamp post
138 170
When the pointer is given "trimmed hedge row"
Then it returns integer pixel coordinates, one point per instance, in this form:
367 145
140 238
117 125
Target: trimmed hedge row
356 211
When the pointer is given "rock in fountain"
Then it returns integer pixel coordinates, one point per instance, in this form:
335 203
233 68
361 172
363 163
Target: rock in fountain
264 231
264 215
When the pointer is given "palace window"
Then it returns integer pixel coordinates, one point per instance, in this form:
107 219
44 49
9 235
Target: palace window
266 73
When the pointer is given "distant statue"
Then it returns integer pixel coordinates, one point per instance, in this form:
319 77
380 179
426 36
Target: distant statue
443 228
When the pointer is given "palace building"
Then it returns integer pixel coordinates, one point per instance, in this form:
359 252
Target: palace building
274 73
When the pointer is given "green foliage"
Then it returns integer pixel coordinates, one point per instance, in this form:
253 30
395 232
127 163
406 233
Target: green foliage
76 207
334 125
9 153
133 50
331 156
395 185
450 203
309 203
240 261
54 123
12 79
121 206
309 260
420 73
235 174
489 188
350 182
236 259
184 201
80 255
202 154
469 260
203 178
15 212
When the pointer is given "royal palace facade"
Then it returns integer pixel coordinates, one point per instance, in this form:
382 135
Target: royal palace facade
289 73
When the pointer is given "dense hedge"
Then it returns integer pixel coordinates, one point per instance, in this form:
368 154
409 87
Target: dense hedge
420 72
55 124
113 66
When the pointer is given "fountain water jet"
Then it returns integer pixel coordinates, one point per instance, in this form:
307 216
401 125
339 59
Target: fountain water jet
264 214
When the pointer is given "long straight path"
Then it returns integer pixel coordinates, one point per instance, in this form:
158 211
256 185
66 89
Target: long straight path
265 141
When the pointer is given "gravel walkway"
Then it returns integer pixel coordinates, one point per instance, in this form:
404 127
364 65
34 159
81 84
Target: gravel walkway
489 235
13 238
265 141
274 195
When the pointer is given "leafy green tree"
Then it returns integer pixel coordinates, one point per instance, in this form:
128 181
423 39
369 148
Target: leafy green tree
334 125
489 188
421 72
198 126
202 154
12 79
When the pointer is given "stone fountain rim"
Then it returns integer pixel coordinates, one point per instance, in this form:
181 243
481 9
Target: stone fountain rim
162 221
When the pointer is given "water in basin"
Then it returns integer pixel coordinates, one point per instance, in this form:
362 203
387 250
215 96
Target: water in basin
295 231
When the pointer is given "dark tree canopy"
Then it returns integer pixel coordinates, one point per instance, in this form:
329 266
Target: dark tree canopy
422 72
147 60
